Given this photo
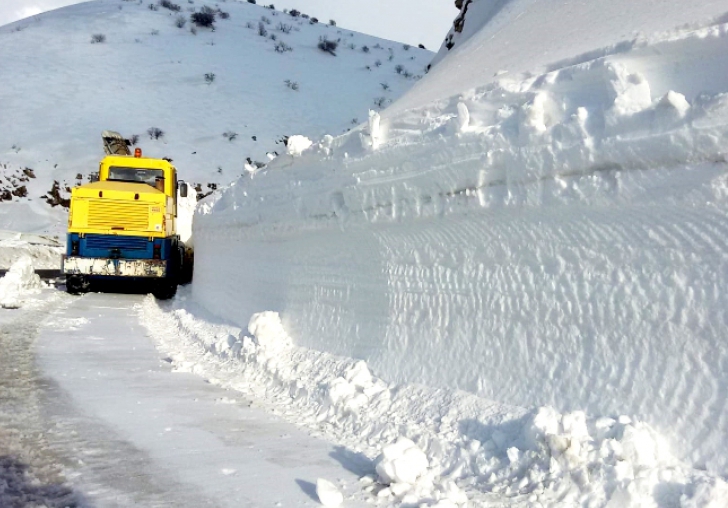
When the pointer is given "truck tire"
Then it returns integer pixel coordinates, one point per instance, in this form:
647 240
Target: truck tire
164 290
187 264
77 284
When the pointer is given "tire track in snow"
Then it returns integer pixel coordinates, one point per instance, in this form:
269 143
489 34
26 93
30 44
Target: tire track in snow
31 473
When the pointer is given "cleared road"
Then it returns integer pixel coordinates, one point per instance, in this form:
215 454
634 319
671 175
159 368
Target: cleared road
128 430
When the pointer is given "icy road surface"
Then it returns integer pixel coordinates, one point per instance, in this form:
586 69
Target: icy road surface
134 432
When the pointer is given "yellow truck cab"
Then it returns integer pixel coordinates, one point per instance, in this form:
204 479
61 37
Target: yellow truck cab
124 226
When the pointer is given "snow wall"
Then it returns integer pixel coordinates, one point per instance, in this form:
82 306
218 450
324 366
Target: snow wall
560 239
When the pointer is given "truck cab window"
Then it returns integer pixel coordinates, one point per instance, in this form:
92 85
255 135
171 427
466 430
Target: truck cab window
136 175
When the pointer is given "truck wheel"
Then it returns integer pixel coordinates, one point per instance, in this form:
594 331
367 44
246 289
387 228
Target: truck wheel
186 275
164 290
76 284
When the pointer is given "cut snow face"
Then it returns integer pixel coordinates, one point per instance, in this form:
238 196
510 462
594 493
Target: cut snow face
426 446
557 239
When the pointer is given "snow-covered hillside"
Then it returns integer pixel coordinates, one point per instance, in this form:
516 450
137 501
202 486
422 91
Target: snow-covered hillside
219 96
507 289
554 235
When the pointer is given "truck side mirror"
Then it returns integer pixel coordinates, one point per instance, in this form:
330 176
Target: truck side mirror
183 189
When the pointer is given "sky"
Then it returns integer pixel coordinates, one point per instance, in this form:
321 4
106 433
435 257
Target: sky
411 21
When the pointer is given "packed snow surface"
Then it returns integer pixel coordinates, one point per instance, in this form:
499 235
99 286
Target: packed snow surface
553 240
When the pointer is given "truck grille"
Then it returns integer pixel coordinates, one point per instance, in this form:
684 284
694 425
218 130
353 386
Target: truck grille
122 215
116 242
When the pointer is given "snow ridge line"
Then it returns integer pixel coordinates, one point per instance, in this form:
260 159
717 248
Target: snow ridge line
535 458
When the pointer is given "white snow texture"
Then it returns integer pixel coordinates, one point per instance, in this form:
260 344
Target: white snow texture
507 288
555 239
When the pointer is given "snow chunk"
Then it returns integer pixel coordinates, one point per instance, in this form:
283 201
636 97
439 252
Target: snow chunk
20 279
401 462
268 332
631 92
297 145
328 494
675 101
463 117
642 445
374 129
671 109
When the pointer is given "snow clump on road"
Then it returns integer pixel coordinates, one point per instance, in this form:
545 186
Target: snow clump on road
20 280
328 494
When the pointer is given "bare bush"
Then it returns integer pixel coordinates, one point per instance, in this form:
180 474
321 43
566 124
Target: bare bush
155 133
327 46
169 5
180 21
291 84
98 38
209 77
203 19
282 47
381 102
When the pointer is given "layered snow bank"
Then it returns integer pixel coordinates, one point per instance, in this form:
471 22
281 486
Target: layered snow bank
432 447
555 241
21 280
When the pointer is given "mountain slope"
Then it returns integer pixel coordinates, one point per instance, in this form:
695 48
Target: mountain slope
59 90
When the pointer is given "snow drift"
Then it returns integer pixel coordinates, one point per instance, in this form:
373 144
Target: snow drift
555 239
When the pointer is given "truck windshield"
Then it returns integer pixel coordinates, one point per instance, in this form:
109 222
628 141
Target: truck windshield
137 175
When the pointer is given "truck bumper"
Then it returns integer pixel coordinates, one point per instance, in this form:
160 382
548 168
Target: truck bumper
71 265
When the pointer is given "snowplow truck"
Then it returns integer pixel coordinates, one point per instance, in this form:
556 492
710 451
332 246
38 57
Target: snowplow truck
124 226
